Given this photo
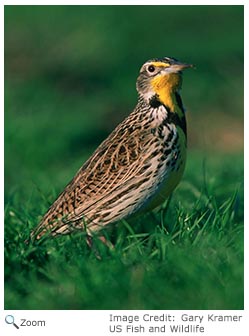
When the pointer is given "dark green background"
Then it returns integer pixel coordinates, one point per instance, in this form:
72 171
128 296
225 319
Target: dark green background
70 74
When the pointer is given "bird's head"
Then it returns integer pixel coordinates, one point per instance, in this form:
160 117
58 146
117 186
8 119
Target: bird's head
160 77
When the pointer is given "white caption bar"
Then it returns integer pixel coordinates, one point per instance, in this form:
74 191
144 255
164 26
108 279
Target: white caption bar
123 322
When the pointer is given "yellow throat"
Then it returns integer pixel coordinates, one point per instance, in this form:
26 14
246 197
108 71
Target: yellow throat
166 86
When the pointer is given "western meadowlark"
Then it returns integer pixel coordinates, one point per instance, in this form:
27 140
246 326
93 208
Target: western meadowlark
137 167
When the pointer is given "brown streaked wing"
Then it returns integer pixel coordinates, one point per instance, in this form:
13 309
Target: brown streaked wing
114 166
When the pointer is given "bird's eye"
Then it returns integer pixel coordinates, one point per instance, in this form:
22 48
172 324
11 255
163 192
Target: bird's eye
151 68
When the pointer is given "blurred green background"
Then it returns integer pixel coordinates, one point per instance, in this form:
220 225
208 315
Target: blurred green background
70 74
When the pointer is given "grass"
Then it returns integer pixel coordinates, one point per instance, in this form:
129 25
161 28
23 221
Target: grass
188 256
69 79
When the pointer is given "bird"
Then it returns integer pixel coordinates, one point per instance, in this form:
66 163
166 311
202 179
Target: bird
137 167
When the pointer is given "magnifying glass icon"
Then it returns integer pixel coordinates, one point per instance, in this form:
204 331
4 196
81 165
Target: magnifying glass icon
9 319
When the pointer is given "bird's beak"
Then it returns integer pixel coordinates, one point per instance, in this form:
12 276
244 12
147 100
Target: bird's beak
181 66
